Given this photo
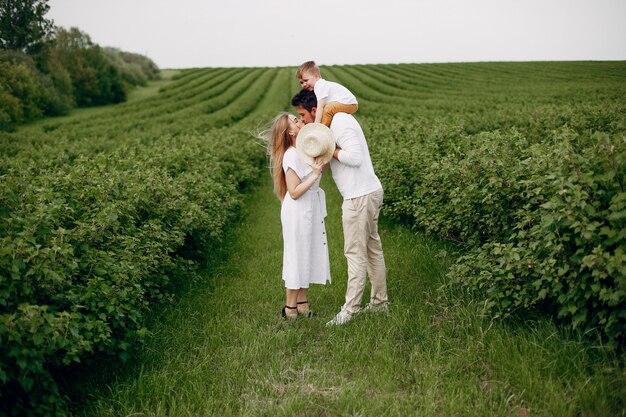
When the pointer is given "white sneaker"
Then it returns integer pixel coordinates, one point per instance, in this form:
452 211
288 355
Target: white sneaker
380 308
341 318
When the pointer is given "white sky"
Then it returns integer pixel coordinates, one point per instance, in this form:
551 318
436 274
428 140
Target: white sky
234 33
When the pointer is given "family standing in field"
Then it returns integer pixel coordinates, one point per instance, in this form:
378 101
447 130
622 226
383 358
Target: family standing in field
301 150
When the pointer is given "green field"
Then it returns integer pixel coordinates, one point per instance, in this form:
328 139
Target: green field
504 234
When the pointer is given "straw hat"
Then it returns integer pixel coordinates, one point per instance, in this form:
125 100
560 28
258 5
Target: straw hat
315 139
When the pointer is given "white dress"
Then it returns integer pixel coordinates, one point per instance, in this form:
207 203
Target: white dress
305 247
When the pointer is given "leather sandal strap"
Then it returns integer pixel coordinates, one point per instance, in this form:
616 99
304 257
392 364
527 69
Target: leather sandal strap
302 302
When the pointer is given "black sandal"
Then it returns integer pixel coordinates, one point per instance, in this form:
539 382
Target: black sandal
283 312
307 313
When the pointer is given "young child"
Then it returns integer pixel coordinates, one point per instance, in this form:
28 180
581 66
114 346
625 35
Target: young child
331 97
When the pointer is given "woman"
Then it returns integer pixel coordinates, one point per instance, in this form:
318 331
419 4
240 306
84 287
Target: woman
303 208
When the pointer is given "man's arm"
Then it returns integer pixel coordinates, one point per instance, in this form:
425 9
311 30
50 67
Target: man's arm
349 150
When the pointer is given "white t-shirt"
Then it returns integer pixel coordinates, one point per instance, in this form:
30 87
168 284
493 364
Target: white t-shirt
332 91
353 172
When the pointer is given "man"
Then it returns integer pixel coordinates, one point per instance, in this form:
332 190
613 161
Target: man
362 192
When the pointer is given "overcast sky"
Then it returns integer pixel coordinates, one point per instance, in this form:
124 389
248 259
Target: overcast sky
233 33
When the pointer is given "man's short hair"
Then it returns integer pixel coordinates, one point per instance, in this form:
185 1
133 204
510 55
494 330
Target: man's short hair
309 67
305 98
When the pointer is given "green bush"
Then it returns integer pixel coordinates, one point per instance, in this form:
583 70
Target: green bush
544 222
10 110
19 82
446 182
134 69
66 71
525 171
567 250
59 99
88 246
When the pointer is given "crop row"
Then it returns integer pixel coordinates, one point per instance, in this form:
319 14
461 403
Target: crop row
138 115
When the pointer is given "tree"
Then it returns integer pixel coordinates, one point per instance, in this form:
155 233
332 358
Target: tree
21 90
95 80
22 24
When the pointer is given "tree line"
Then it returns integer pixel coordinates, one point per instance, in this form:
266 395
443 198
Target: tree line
47 70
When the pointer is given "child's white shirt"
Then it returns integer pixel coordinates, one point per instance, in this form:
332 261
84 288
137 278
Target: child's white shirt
333 92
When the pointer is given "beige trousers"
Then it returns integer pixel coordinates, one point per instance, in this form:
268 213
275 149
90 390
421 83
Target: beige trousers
363 250
335 107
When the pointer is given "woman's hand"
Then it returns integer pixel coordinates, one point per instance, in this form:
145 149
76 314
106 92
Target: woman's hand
317 166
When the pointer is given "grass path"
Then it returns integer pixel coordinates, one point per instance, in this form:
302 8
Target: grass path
223 349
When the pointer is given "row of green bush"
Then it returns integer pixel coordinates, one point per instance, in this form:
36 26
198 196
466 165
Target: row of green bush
67 71
544 221
88 245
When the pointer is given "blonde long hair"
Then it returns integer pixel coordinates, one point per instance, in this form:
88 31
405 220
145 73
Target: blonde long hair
278 141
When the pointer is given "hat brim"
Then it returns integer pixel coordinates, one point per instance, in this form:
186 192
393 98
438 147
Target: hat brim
318 132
